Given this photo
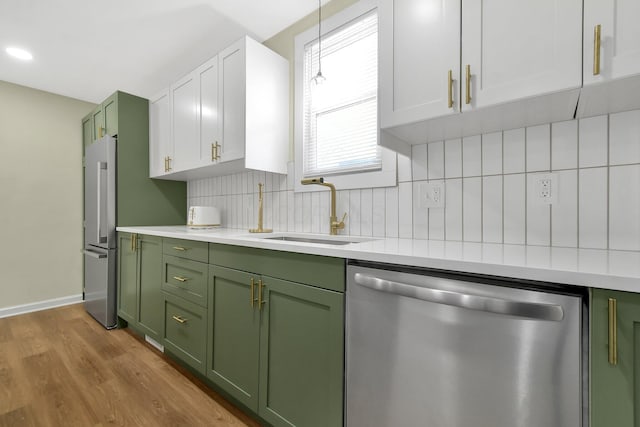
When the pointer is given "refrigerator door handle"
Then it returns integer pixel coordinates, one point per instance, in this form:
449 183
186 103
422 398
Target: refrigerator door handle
101 166
528 310
96 255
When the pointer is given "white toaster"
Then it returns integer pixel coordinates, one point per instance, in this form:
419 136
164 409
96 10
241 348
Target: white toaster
203 216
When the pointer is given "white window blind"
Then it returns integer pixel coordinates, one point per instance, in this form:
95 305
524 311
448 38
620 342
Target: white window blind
340 116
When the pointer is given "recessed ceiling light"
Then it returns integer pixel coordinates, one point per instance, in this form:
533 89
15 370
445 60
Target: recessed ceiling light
16 52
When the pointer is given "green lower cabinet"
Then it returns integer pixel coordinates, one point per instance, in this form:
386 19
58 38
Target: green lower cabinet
150 319
127 278
234 333
185 326
277 347
139 281
615 369
301 355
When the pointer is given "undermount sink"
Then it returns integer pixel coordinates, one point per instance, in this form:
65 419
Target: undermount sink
322 240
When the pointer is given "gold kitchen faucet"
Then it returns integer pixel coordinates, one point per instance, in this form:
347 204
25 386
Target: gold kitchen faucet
334 224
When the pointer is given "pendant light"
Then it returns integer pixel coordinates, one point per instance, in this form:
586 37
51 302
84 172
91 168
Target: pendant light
318 79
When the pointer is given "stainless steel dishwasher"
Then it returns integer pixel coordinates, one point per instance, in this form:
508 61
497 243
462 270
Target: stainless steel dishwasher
434 349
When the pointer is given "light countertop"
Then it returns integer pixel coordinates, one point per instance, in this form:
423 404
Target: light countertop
618 270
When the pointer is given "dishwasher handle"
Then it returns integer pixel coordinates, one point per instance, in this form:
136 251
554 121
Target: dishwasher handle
529 310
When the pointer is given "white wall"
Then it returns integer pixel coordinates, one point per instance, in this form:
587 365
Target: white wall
489 190
41 195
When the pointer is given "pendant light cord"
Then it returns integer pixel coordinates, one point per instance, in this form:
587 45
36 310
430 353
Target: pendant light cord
319 35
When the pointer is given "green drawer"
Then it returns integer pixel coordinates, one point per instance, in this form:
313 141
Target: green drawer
189 249
185 326
321 271
185 278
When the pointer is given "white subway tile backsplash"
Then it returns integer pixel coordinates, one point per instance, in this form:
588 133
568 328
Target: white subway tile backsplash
514 151
597 161
404 168
472 209
405 210
366 212
624 138
435 157
354 212
419 162
624 208
564 145
592 208
492 154
593 142
453 158
492 209
420 214
538 216
379 222
471 156
515 208
538 148
453 209
391 212
564 213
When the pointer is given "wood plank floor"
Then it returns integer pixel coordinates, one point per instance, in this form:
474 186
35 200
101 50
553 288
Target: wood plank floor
59 367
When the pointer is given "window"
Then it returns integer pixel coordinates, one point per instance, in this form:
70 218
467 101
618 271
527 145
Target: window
337 121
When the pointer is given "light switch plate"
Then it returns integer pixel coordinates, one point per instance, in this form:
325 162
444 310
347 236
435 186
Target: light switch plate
432 195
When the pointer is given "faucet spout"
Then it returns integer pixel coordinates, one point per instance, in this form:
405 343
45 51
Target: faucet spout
334 224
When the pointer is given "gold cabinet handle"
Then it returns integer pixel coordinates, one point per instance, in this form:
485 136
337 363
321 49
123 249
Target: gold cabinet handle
180 279
468 84
450 89
251 285
169 162
180 319
165 164
179 248
101 132
613 331
596 50
260 300
217 150
135 242
132 247
213 152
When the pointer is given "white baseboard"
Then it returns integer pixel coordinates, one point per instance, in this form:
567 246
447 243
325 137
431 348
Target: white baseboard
40 305
154 343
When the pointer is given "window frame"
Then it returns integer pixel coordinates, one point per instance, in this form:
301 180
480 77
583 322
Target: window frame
385 177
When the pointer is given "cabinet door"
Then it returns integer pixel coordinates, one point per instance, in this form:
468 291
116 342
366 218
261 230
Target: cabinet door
518 49
615 388
150 318
160 142
127 278
301 355
184 115
98 123
232 98
87 131
419 43
209 110
110 111
234 320
620 39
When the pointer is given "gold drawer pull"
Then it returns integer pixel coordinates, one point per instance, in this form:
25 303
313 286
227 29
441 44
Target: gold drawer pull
613 331
180 319
180 279
260 300
468 85
251 285
450 89
179 248
596 49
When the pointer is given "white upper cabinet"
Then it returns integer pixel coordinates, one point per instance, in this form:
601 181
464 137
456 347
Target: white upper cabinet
619 52
209 112
512 63
517 49
160 141
229 114
611 57
184 115
419 45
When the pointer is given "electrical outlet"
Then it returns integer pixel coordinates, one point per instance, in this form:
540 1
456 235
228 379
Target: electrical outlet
546 188
432 195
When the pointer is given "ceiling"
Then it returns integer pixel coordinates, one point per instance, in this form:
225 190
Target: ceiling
87 49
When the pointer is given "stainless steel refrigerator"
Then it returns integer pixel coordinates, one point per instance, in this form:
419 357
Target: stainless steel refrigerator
100 231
